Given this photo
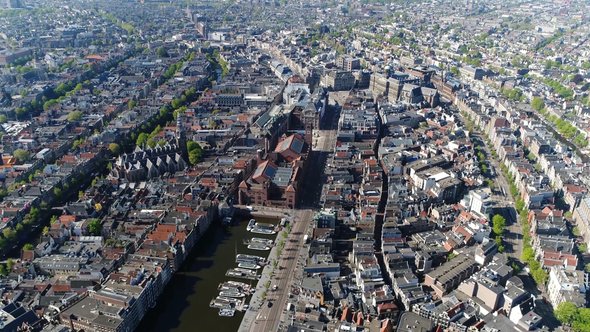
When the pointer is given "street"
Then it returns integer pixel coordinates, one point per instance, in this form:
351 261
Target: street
287 271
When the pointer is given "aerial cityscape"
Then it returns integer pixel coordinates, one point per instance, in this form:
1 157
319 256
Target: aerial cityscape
295 165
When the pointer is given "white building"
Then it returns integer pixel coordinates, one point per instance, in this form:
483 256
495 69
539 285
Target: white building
567 286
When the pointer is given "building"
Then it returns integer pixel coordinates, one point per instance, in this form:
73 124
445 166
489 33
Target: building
567 286
348 63
275 182
449 275
582 218
149 163
10 57
339 80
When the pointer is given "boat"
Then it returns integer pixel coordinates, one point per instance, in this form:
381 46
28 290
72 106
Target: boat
242 273
232 301
232 293
258 246
226 221
227 312
250 258
264 231
259 240
250 266
265 225
234 284
215 303
251 225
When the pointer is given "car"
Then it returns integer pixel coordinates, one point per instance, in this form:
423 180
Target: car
269 304
275 287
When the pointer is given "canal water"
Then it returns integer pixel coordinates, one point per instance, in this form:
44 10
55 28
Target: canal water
184 305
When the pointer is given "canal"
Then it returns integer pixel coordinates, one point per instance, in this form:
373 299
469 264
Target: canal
184 305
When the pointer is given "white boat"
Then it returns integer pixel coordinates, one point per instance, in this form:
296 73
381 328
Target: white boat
262 240
216 303
240 258
264 231
227 312
249 266
231 293
258 240
242 273
234 284
258 246
251 225
230 300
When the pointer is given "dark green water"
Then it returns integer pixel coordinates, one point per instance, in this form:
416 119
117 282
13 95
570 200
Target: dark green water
184 306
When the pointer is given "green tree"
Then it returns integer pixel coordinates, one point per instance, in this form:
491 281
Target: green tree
3 118
498 224
10 264
195 152
566 312
94 227
57 192
9 234
3 270
582 321
528 254
131 104
114 148
141 139
21 155
28 246
74 116
537 104
161 52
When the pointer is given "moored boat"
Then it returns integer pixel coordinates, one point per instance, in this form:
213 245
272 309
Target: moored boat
251 225
249 266
258 246
227 312
249 258
232 293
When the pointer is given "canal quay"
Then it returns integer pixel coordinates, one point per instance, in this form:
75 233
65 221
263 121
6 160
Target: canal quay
184 305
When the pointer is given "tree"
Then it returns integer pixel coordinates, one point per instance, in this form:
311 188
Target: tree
141 139
195 152
10 264
57 192
3 118
566 312
537 104
498 224
21 155
528 254
161 52
115 148
131 104
8 233
94 227
45 231
28 246
582 321
74 116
